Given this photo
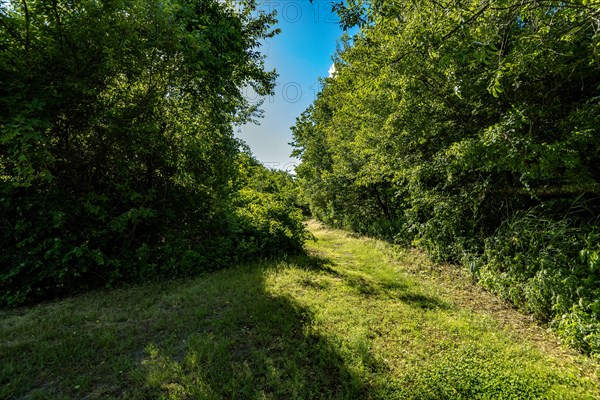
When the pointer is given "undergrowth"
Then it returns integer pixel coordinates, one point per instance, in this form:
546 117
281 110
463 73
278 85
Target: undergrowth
345 321
549 266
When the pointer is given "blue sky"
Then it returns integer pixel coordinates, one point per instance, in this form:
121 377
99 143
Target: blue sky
300 54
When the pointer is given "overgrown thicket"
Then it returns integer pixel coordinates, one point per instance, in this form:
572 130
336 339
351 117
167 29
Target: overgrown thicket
470 128
117 157
268 212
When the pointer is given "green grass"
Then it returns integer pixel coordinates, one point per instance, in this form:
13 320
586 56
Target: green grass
354 319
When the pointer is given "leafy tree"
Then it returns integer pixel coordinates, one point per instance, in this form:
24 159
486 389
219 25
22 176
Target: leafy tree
446 118
116 145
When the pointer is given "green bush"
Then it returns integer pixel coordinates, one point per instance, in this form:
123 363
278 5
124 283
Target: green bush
268 213
117 154
550 267
449 129
268 226
70 245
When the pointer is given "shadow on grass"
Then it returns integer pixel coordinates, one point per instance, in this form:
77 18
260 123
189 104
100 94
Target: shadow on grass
253 345
393 290
231 335
315 263
423 301
219 336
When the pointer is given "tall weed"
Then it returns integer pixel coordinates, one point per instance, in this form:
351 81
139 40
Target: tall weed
548 265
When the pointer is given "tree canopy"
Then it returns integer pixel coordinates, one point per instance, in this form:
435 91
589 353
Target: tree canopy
445 119
117 155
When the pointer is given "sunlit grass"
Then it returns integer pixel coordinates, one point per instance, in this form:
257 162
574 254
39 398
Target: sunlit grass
348 321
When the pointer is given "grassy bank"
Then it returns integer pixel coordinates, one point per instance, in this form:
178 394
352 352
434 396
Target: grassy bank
347 321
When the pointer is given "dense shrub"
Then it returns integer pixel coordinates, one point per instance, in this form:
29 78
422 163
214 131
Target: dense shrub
117 156
268 212
444 123
550 267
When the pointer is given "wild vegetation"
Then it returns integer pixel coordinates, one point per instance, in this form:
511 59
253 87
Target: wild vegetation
467 128
117 157
353 319
470 128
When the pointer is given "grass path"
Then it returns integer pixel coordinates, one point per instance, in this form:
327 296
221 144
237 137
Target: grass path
354 319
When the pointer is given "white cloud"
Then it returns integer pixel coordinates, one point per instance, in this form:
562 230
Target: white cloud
332 70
